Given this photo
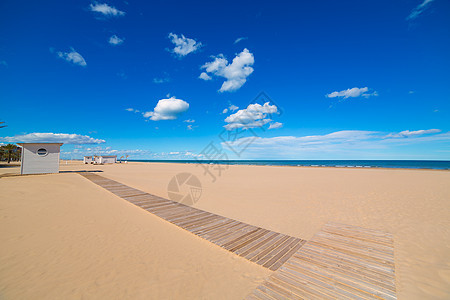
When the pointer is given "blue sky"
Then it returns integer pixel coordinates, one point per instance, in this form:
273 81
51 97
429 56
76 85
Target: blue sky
171 79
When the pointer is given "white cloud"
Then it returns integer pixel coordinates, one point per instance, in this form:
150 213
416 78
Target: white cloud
419 9
189 127
132 110
73 57
255 115
189 121
115 40
81 151
235 73
204 76
41 137
167 109
352 93
106 10
407 133
355 144
231 108
183 45
240 39
275 125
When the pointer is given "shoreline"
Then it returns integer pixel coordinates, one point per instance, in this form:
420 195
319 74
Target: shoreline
273 165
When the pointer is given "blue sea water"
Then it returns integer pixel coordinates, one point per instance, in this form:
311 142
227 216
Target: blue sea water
395 164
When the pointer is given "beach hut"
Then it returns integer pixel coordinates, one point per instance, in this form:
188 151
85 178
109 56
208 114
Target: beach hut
40 158
88 160
105 159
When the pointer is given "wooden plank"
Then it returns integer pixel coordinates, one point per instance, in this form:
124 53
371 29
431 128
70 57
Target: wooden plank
237 234
206 221
278 241
339 262
298 287
229 233
188 224
276 256
288 255
342 271
204 231
275 250
350 286
254 235
211 225
228 229
349 267
252 247
256 254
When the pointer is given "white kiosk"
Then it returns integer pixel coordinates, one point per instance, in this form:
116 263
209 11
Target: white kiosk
40 158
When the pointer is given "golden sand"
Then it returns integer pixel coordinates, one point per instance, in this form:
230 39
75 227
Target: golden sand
68 238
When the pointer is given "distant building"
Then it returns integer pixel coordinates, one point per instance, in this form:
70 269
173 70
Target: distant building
40 158
105 159
88 160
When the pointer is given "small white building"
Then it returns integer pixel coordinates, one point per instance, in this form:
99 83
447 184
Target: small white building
88 160
105 159
40 158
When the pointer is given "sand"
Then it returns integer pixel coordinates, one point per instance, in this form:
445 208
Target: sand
63 237
78 247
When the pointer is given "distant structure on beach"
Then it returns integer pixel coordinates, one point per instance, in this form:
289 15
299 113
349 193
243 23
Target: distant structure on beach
100 159
40 158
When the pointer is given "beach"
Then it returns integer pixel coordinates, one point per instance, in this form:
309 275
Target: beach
65 237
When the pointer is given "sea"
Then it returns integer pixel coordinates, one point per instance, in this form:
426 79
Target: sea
392 164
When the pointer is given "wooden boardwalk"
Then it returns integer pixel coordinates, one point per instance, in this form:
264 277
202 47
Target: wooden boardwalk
267 248
340 262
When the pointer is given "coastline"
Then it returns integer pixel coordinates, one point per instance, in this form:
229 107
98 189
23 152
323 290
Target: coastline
296 166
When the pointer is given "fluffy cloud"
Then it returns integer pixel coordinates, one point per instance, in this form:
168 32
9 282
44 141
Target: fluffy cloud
73 57
189 121
357 144
41 137
352 93
167 109
204 76
235 73
183 45
275 125
419 9
255 115
407 133
106 10
115 40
